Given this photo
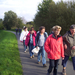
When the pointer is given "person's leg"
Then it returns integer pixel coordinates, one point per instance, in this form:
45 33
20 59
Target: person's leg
30 47
43 57
24 45
39 55
73 61
51 66
64 63
55 67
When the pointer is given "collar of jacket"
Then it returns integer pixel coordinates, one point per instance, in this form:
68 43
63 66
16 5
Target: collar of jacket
55 37
69 33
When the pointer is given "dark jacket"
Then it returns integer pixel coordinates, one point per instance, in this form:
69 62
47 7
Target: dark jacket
69 40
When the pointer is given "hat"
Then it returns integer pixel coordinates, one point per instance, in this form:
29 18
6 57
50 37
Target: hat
72 26
23 27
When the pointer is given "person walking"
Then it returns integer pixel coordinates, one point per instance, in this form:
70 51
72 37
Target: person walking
30 40
40 40
69 45
23 37
55 50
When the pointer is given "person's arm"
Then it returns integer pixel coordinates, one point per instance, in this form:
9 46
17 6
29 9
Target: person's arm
47 45
62 49
34 34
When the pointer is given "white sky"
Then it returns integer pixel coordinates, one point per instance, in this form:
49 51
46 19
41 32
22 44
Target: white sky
23 8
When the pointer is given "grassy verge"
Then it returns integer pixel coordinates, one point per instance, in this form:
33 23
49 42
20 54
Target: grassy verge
9 54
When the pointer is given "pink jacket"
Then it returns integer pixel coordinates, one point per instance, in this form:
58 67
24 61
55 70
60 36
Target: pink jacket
54 47
28 38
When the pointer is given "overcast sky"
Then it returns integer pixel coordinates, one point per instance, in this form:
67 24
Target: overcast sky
23 8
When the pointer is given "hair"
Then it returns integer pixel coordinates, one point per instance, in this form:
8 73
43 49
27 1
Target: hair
42 27
32 29
57 27
25 28
53 27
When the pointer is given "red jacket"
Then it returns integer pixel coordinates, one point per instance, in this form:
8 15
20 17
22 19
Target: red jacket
28 38
54 47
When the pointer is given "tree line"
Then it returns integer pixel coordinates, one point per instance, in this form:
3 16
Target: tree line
50 13
11 20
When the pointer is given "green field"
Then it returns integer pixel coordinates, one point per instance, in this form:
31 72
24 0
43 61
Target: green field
10 63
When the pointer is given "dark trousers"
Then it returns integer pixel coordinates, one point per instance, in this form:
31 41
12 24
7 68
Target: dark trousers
53 64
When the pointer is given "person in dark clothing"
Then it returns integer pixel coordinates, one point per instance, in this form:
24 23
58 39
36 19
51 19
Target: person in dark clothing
16 31
20 31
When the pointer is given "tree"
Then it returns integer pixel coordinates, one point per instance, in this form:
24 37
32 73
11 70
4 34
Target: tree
19 23
50 13
1 24
10 19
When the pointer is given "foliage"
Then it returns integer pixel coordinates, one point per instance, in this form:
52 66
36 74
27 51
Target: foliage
10 19
10 63
50 13
1 24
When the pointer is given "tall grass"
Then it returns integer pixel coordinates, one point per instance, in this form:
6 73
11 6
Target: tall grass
9 54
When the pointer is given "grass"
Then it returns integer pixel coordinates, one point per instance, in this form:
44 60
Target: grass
10 63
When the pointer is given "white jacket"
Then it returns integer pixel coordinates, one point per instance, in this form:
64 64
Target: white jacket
23 35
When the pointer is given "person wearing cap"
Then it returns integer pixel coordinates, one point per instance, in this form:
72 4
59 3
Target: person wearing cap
69 45
55 50
23 36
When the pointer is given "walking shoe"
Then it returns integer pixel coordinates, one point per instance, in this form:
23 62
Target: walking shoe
48 73
64 72
33 56
30 57
38 62
44 65
25 51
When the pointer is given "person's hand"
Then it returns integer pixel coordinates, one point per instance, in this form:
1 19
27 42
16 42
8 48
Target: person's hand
32 32
37 47
65 46
73 47
63 58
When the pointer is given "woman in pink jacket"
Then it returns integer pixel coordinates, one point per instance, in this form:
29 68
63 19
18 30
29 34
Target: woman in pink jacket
30 41
55 50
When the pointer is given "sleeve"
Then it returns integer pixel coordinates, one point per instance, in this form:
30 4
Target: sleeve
36 41
21 37
62 48
47 45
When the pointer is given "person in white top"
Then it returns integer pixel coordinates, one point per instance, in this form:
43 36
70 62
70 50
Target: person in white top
23 37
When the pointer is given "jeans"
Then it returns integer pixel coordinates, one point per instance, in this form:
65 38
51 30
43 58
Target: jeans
53 64
64 62
31 47
42 51
25 47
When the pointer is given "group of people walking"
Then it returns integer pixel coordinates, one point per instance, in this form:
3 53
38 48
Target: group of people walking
55 45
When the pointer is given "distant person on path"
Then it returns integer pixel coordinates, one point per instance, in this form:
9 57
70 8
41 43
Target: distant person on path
23 37
40 40
19 31
55 50
16 31
30 40
69 44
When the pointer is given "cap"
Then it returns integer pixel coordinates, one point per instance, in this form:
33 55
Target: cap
72 26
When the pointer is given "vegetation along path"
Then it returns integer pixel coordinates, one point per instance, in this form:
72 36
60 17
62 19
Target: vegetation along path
30 66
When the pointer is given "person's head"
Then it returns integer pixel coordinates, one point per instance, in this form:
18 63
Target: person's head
72 29
32 30
25 28
53 28
42 29
57 30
